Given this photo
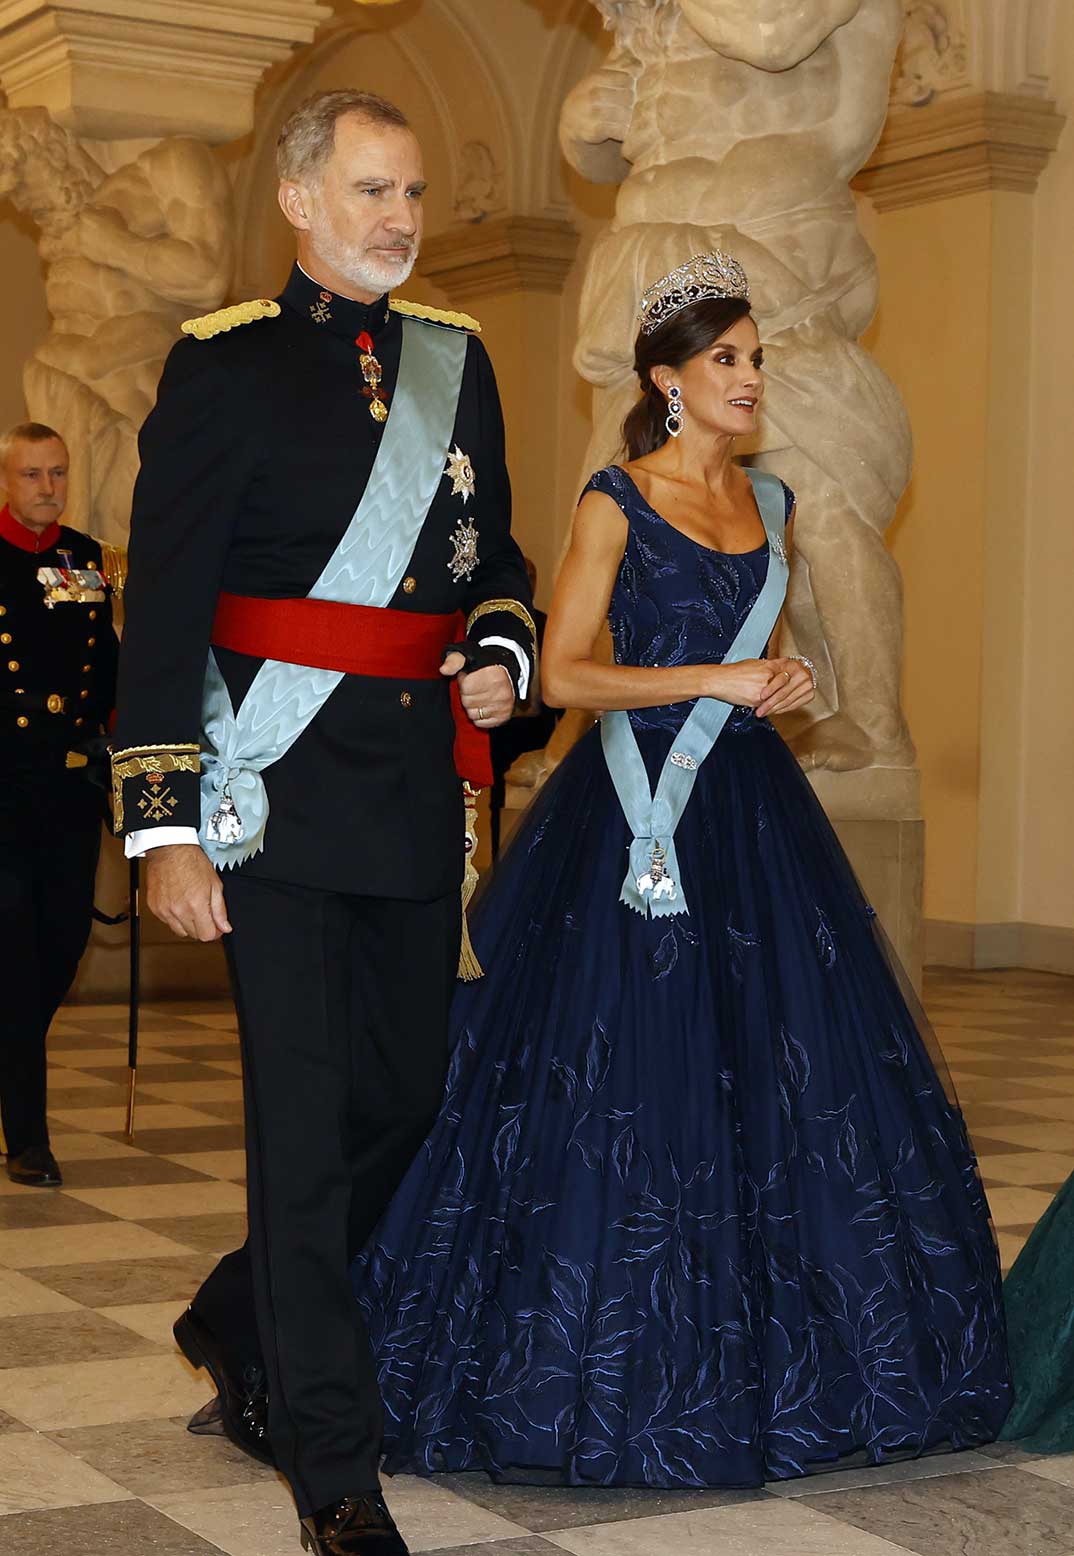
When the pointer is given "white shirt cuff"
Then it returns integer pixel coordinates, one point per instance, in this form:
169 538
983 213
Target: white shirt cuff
523 662
137 844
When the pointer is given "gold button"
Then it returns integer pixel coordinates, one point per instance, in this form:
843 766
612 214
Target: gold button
5 637
55 703
20 691
409 585
80 721
13 665
22 721
90 642
86 669
84 694
3 610
406 699
93 615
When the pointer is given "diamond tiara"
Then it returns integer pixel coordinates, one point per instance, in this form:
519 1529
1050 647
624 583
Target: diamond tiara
706 275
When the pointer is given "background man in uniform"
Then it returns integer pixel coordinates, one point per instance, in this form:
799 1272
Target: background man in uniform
57 689
335 811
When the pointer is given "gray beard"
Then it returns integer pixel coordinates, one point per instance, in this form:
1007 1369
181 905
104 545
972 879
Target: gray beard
358 268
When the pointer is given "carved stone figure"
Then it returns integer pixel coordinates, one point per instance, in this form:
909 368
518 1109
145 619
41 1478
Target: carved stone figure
480 188
128 255
930 56
739 127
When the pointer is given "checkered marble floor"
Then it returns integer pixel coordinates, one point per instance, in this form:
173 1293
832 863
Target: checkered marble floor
94 1458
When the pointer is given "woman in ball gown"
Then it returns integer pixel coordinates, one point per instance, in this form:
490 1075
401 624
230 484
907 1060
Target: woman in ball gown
698 1210
1039 1295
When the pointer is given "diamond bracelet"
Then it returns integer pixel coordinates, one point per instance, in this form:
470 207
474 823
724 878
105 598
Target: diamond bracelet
810 666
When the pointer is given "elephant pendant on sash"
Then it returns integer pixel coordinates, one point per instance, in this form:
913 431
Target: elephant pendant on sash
657 880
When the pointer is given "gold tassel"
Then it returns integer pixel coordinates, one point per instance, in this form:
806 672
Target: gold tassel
470 969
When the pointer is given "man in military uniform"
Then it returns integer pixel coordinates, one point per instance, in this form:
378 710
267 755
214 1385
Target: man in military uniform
326 614
57 689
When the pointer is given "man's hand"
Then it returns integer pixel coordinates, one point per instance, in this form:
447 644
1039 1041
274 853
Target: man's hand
184 892
487 695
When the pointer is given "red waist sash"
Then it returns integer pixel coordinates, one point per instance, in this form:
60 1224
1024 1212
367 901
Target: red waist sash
358 640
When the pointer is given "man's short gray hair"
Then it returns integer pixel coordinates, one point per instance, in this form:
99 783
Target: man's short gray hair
26 432
308 138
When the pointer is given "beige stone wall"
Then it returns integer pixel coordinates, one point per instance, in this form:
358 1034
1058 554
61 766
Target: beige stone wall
976 326
1047 726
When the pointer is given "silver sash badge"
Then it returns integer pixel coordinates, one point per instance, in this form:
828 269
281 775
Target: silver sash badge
225 825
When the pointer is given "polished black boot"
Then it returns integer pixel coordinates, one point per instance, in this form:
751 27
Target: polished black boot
35 1167
242 1393
356 1526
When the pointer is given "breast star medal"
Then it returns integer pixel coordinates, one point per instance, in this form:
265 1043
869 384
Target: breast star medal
465 559
461 471
372 373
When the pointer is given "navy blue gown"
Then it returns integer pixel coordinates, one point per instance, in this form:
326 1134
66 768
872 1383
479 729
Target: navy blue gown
697 1210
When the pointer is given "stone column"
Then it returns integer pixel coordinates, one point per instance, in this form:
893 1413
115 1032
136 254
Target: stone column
125 69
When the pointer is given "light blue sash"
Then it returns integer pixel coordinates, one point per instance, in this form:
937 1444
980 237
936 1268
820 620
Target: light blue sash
365 569
652 884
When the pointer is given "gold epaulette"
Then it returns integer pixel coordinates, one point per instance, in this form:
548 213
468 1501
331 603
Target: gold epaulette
114 567
455 321
224 319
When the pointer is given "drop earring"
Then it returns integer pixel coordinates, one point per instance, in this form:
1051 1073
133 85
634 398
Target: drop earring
675 419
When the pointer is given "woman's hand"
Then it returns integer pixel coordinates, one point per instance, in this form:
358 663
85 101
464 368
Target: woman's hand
745 684
792 687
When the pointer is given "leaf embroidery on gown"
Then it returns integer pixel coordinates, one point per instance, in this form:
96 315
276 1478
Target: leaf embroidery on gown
697 1210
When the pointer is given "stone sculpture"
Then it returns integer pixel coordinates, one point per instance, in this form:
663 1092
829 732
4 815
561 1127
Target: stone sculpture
480 183
932 55
128 255
739 126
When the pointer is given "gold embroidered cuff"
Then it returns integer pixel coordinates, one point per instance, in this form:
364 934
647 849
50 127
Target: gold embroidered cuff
499 608
152 763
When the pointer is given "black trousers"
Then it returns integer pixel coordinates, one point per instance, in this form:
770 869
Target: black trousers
343 1006
50 837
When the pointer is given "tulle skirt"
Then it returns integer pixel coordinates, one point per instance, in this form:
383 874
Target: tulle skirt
698 1210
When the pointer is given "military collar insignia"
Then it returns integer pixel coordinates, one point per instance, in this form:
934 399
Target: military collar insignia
461 472
27 539
327 311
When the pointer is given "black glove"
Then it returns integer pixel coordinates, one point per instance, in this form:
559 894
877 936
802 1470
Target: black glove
480 656
98 768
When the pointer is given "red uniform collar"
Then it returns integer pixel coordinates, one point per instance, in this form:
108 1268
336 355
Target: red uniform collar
26 539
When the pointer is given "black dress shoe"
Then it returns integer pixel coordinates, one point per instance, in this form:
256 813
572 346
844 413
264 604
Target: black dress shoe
35 1167
243 1393
357 1526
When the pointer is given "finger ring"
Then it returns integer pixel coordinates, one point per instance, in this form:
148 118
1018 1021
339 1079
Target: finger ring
787 673
481 713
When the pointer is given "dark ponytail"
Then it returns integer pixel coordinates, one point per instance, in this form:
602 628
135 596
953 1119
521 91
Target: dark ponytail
685 335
